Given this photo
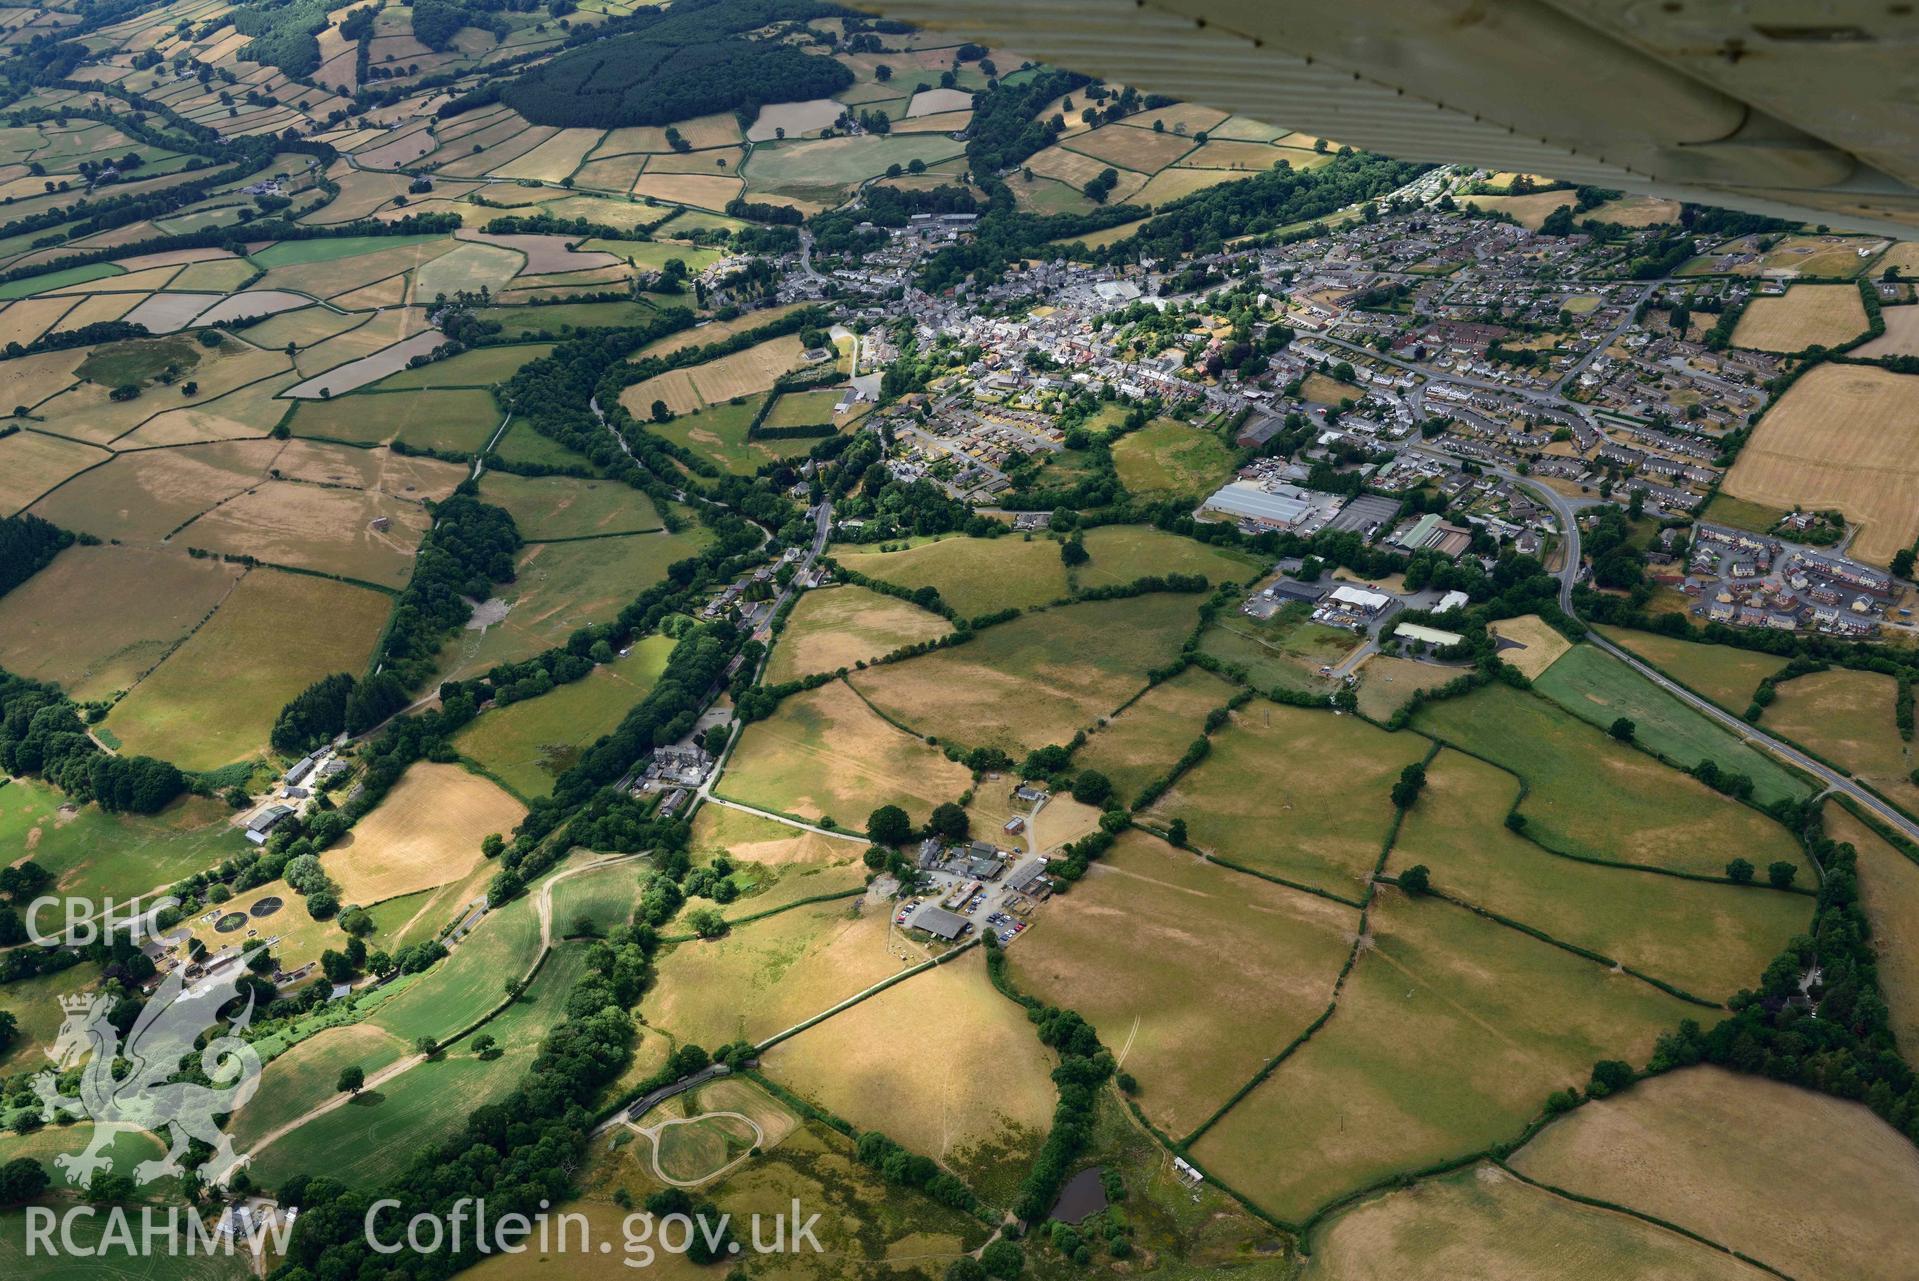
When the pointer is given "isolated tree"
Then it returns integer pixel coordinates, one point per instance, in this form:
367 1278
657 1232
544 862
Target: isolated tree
1092 787
1739 871
1176 832
1416 879
485 1046
1780 875
661 413
888 825
1623 729
352 1080
1073 552
22 1179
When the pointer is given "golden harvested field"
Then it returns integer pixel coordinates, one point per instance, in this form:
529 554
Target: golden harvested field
1142 742
1535 645
98 618
766 976
1484 1224
554 158
1804 316
1842 437
1449 1034
1901 337
744 373
1709 940
1847 717
1137 948
1251 801
1037 679
698 190
1726 675
935 1099
1528 210
840 626
214 699
426 833
1071 167
1889 891
31 464
1127 147
1685 1148
826 754
713 331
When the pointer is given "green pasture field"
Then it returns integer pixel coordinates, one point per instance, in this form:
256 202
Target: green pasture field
138 360
1285 651
652 255
838 627
99 1254
1591 796
1296 793
522 322
479 367
974 575
57 279
717 433
1709 940
302 1078
1726 675
1448 1036
826 754
560 507
1482 1222
35 1002
213 701
522 444
774 865
1598 688
291 253
703 1146
832 162
94 854
561 587
526 745
1124 553
1122 949
469 268
806 408
469 982
605 895
1889 893
1142 742
376 1136
1168 458
1755 518
1037 679
461 421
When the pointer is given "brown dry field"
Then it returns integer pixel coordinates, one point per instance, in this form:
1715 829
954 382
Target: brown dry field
697 162
718 829
766 976
976 1082
1070 167
245 414
1449 1035
31 464
1843 437
415 477
25 320
1484 1224
1529 210
344 275
377 332
87 412
146 495
1386 683
825 753
545 255
1889 891
1245 155
1125 147
1542 645
32 379
1848 717
98 618
426 833
841 626
1636 211
1142 742
1174 184
554 158
700 191
313 527
713 331
1820 1187
944 122
614 173
1193 975
743 373
1804 315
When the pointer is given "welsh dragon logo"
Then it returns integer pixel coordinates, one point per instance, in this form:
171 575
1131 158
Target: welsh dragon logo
132 1085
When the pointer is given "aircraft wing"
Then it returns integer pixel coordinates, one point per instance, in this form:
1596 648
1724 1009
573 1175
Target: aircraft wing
1803 109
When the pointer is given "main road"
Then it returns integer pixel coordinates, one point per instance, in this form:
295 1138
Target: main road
1832 779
